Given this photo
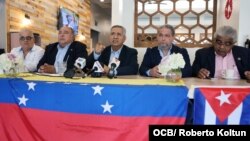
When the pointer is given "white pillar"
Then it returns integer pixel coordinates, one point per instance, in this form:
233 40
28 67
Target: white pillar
123 14
244 22
3 33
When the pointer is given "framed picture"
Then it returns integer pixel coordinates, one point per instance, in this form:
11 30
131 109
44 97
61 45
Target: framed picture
68 18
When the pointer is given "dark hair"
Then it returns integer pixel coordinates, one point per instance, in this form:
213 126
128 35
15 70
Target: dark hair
168 27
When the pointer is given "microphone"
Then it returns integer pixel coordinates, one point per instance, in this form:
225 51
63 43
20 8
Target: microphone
92 71
97 69
79 64
111 73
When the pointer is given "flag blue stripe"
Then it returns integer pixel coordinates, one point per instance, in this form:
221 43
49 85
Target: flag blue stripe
199 106
128 100
245 116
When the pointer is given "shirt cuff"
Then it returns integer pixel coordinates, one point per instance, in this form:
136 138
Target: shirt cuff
147 72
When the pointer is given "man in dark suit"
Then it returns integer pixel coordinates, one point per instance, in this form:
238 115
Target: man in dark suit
61 55
153 56
126 55
222 56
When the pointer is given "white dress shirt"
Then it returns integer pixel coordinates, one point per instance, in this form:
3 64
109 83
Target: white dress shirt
61 65
32 58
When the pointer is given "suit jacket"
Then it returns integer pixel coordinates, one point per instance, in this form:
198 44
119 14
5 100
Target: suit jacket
128 60
205 58
153 58
76 49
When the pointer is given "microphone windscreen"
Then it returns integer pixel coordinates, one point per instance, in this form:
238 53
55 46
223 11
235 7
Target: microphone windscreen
80 63
113 65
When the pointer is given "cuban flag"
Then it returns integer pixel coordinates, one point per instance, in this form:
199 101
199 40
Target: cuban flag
56 111
222 105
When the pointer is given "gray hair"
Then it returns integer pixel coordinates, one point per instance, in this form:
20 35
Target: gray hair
26 30
119 26
227 31
170 27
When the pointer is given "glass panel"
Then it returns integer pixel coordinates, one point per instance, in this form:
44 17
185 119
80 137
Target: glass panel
166 6
206 19
210 5
143 20
158 19
197 31
151 7
139 7
182 6
174 19
198 6
190 19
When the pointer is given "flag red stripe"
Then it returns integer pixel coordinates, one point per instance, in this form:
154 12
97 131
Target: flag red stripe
32 124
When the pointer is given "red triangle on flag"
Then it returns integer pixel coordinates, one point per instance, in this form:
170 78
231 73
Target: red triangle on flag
224 101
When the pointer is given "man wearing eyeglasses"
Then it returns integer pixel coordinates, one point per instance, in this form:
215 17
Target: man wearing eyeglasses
216 61
27 50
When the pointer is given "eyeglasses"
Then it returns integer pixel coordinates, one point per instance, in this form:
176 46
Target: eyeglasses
219 42
28 38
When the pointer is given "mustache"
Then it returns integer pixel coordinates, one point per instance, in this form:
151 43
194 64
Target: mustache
165 45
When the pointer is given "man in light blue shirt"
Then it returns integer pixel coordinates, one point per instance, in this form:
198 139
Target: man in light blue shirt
62 55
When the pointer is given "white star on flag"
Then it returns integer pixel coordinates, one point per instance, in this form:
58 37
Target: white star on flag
97 90
22 100
223 98
107 107
31 86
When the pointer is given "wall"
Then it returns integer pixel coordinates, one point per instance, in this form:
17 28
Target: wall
43 15
103 21
123 15
233 20
239 18
3 32
244 22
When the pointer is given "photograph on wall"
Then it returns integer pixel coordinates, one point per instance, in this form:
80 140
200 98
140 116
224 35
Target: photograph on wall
68 18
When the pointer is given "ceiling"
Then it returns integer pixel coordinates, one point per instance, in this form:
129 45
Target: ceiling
106 4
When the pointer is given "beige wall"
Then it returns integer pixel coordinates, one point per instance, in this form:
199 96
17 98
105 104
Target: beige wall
43 15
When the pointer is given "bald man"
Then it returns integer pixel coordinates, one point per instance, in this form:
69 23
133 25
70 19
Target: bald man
27 50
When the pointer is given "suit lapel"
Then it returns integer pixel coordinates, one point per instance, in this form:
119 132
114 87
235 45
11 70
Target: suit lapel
211 60
237 59
122 56
106 55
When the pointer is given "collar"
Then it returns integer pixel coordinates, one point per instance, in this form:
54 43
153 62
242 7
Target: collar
118 51
62 48
21 49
